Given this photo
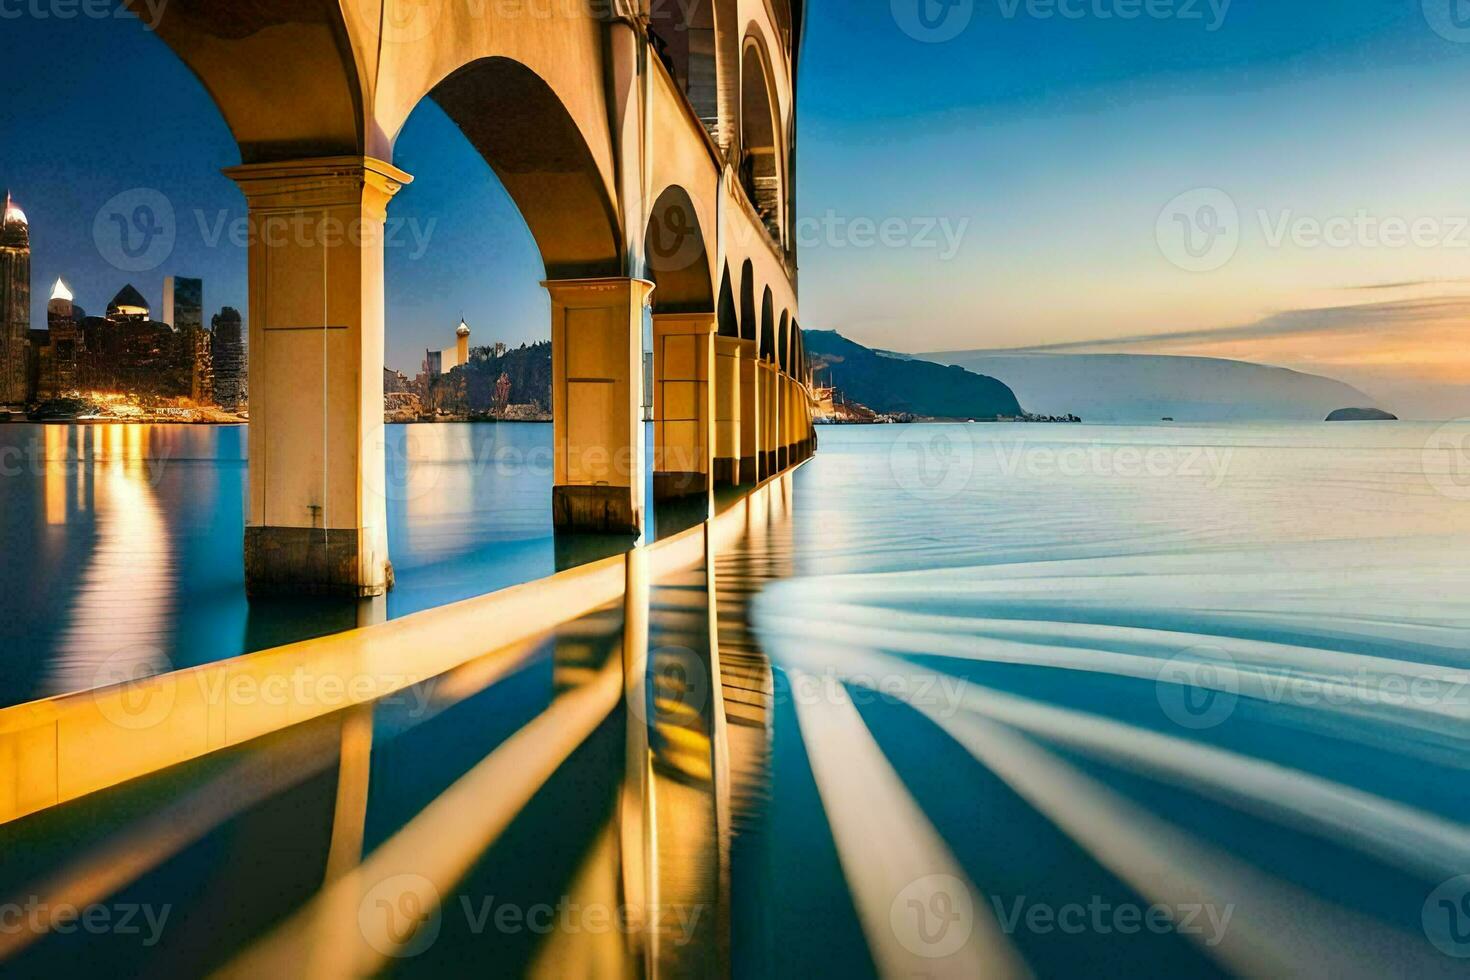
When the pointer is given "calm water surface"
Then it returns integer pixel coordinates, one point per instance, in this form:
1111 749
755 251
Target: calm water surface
995 695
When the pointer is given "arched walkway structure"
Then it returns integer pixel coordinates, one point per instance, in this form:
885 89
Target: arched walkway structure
625 148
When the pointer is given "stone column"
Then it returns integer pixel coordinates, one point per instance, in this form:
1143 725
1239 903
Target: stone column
727 470
683 404
596 354
318 517
771 418
751 404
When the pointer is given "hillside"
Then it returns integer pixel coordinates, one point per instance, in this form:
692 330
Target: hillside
1146 388
894 384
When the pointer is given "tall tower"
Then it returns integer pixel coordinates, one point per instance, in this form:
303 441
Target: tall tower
183 309
67 344
462 343
15 304
230 366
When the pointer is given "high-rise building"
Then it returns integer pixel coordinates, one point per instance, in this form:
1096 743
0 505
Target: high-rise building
230 367
15 304
64 329
128 306
183 309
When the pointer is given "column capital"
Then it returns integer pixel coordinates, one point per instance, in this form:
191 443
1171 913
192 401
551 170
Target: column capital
597 291
319 182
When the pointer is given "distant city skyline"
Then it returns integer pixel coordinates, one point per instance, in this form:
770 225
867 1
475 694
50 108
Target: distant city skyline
1027 165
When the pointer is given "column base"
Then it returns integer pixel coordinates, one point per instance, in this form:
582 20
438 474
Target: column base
668 486
727 472
294 561
606 510
748 471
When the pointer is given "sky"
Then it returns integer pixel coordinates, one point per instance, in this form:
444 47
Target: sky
1272 180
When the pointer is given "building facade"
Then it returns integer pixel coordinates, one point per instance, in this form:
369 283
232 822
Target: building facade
228 350
15 304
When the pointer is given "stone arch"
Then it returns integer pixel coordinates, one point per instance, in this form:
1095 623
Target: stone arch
684 39
523 130
749 328
783 342
678 255
281 73
768 326
761 166
728 318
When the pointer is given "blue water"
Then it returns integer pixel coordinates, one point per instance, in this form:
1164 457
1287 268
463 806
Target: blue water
125 541
1218 670
997 695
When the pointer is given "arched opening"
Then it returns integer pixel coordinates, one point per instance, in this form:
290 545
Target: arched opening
748 326
783 342
729 319
677 256
760 160
519 125
768 327
683 37
684 324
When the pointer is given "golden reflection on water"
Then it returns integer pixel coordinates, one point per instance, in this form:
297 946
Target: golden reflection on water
659 857
121 617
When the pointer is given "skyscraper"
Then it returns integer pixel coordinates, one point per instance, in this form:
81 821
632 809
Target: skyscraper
229 360
65 330
15 303
183 309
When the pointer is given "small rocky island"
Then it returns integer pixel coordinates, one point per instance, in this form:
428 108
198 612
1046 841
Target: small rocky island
1361 415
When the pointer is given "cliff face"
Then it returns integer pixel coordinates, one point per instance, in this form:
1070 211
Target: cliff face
893 384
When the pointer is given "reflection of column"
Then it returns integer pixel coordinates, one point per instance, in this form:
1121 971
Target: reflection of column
769 417
727 411
635 806
750 413
317 518
683 404
596 344
354 767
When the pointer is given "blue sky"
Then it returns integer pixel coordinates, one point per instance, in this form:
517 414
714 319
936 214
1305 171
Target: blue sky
1046 146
